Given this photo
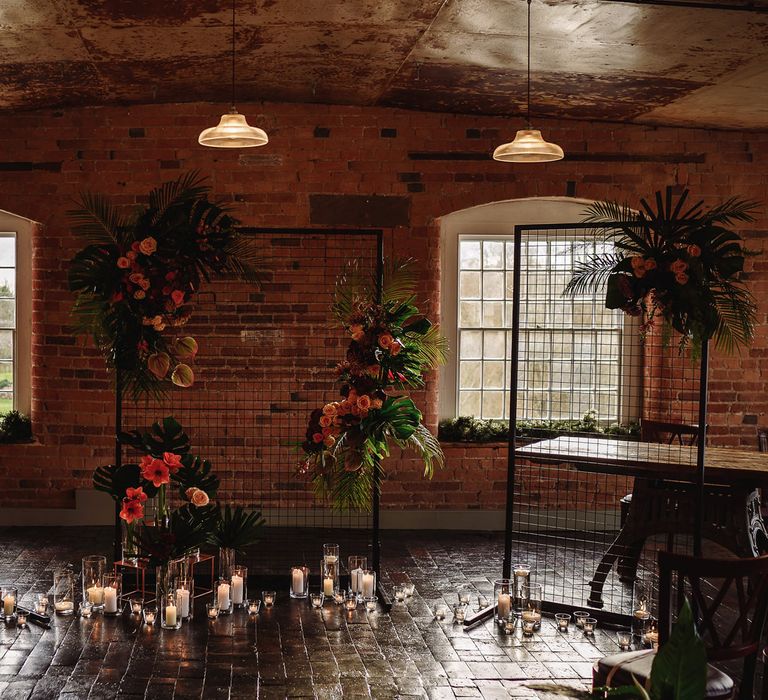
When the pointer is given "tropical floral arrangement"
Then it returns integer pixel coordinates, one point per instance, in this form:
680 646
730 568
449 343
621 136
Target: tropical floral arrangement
392 347
137 275
677 262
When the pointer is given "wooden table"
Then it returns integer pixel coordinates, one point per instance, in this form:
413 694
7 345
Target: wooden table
663 500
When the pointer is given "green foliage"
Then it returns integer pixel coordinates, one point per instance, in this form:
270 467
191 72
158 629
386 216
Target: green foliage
196 472
471 429
166 437
115 480
236 528
15 427
188 529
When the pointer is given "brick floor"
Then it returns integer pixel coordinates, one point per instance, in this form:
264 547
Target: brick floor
290 650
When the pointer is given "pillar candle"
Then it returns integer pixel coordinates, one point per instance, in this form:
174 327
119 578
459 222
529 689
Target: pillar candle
367 585
237 589
297 582
9 603
503 605
328 586
110 600
96 595
170 615
222 596
182 596
64 606
354 579
531 616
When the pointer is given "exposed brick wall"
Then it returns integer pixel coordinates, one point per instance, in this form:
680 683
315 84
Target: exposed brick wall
49 157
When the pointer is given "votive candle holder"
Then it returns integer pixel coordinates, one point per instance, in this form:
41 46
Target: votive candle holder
439 611
579 616
624 639
464 595
111 594
149 614
211 611
409 589
137 605
21 618
41 603
529 626
510 623
503 595
590 623
531 604
356 565
254 606
317 599
94 567
64 591
338 596
459 613
350 603
370 602
398 593
86 609
299 581
563 620
268 598
170 615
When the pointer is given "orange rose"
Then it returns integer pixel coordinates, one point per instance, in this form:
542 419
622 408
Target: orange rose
144 284
364 402
355 410
377 403
123 263
148 245
135 277
395 348
694 251
681 278
678 266
188 493
357 332
330 409
325 421
329 441
139 294
200 498
385 340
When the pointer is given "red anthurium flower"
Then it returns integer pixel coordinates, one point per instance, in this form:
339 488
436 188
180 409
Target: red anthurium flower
146 460
131 510
157 472
136 494
173 461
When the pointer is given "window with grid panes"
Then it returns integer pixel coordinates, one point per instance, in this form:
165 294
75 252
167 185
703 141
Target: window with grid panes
7 320
570 349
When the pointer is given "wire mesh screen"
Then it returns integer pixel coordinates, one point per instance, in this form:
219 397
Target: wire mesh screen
266 360
590 508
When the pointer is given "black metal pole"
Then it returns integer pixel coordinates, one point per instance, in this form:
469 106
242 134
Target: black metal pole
513 357
376 496
699 501
117 544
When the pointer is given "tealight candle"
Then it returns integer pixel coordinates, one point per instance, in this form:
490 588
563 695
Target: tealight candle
589 625
528 627
624 638
370 602
269 598
136 606
439 611
399 593
149 616
510 622
41 608
579 616
532 616
86 609
409 589
212 610
464 595
482 602
338 596
562 621
317 599
21 618
652 637
254 606
64 607
459 612
350 603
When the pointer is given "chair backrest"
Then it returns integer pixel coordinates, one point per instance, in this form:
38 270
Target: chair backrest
669 433
729 598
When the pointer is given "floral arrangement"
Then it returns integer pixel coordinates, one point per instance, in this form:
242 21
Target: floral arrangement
680 264
392 346
137 275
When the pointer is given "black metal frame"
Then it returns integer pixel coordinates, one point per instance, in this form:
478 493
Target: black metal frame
378 234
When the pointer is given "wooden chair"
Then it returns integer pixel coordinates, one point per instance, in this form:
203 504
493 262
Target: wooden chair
730 602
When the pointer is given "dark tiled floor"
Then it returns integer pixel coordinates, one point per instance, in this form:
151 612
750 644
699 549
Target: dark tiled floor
291 650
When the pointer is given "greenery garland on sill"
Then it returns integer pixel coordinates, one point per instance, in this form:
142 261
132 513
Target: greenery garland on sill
15 427
137 275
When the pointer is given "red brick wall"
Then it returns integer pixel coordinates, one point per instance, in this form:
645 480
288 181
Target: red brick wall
49 157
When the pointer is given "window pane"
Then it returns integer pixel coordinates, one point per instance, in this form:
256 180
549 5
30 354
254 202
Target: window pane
493 314
470 314
534 254
471 345
493 255
469 403
493 346
6 345
493 375
493 404
6 386
7 313
493 285
470 285
469 255
7 282
8 251
469 375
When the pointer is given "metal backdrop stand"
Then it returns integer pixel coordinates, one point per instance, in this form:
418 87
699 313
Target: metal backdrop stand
698 524
117 550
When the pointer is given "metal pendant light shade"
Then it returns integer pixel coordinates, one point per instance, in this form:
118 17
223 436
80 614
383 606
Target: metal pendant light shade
528 145
233 131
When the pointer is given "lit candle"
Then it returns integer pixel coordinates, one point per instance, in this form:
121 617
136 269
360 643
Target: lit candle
182 596
531 616
9 603
504 604
237 589
95 595
297 582
331 558
222 596
328 586
367 585
64 606
110 599
170 615
354 580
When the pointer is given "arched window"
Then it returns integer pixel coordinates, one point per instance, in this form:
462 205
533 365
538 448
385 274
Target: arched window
575 356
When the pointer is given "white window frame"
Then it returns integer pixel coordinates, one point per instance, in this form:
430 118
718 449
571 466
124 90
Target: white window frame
22 230
498 220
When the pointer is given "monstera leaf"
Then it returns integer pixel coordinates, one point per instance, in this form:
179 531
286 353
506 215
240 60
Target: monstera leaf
115 480
195 472
166 437
188 528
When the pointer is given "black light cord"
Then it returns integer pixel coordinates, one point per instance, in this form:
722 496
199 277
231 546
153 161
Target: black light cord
528 111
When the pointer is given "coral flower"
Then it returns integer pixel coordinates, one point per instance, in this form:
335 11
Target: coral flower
178 297
357 332
123 263
172 461
199 498
157 472
330 409
136 494
395 348
148 245
139 294
377 403
364 402
694 251
317 437
135 277
681 278
385 340
326 421
131 510
329 441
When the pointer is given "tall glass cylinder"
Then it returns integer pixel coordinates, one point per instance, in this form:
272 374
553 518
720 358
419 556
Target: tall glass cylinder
368 583
9 596
185 597
64 591
130 552
170 619
521 576
239 583
222 596
112 594
503 595
299 581
531 612
356 566
226 561
329 577
166 576
94 567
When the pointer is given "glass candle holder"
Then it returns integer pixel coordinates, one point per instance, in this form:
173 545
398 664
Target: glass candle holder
137 605
641 618
317 599
510 622
502 594
111 594
398 593
331 553
21 618
482 602
409 589
239 585
64 591
254 606
9 595
563 620
521 573
439 611
651 637
299 581
529 627
86 609
368 583
459 613
222 596
350 603
150 614
211 611
356 565
531 599
329 577
269 598
338 597
370 602
589 625
464 595
624 638
94 567
170 619
41 603
579 616
185 597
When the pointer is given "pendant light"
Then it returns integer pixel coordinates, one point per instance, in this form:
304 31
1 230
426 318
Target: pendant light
233 131
528 146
